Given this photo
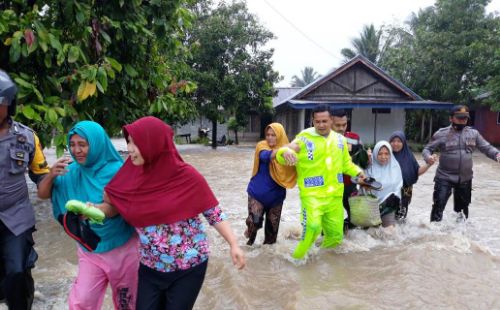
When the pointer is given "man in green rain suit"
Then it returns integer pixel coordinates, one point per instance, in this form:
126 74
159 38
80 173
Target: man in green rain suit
321 157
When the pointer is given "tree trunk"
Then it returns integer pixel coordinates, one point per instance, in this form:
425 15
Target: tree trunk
214 134
236 137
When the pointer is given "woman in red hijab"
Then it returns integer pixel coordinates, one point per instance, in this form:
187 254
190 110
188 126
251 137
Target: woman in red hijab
162 196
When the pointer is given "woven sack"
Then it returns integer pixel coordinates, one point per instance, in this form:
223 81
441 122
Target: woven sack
365 210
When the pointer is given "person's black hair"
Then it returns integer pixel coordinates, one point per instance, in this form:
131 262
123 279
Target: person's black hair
339 113
321 108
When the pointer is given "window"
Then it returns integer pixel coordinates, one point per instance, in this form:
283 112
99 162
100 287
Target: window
498 118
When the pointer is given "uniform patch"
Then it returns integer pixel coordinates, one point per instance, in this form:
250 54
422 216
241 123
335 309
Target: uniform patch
340 143
340 178
309 148
21 138
20 155
314 181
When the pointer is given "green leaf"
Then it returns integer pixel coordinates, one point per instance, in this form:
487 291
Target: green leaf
52 100
105 36
60 111
23 83
52 116
14 51
111 72
73 54
54 42
114 64
131 71
37 93
60 58
47 60
102 78
43 45
99 87
24 50
80 17
28 112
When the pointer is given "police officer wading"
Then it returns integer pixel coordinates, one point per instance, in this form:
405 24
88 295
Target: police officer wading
456 143
20 150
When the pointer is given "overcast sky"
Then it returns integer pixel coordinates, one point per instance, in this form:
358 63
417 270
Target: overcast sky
312 33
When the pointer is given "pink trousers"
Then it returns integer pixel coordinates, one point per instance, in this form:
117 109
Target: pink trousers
118 267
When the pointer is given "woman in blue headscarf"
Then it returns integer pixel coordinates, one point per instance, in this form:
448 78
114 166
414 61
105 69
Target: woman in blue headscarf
409 168
114 259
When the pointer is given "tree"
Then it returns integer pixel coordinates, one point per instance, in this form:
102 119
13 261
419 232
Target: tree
308 76
370 44
447 52
232 70
109 61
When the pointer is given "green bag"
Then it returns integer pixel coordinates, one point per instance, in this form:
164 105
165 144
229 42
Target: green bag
94 214
365 211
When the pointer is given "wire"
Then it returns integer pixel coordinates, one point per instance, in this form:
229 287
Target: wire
302 33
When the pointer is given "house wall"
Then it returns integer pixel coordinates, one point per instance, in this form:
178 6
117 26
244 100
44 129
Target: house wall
363 123
486 122
292 120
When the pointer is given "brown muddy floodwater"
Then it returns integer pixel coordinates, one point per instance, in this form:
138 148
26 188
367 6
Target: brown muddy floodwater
448 265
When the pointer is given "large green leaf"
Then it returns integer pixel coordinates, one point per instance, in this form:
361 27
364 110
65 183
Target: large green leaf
73 54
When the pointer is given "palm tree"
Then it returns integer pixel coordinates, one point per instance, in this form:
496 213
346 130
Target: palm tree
369 44
308 76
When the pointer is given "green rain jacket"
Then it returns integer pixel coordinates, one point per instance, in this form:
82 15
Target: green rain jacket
321 162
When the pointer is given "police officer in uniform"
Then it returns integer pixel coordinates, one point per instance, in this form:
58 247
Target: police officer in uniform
456 142
19 150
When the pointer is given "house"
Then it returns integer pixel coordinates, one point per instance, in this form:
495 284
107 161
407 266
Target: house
487 122
375 102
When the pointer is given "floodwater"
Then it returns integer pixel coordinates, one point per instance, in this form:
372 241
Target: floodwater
448 265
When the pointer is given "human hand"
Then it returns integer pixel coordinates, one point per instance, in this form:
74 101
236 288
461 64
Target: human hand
433 159
238 257
498 158
59 167
290 157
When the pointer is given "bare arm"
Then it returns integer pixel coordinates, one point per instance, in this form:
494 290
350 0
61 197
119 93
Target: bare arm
106 207
423 169
45 185
236 253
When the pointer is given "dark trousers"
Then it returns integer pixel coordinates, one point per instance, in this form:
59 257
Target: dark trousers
442 191
175 290
17 257
406 194
255 219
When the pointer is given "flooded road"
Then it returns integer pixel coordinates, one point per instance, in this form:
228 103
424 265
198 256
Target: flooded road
448 265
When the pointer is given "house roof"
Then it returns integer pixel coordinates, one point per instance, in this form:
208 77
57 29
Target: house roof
284 93
358 83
